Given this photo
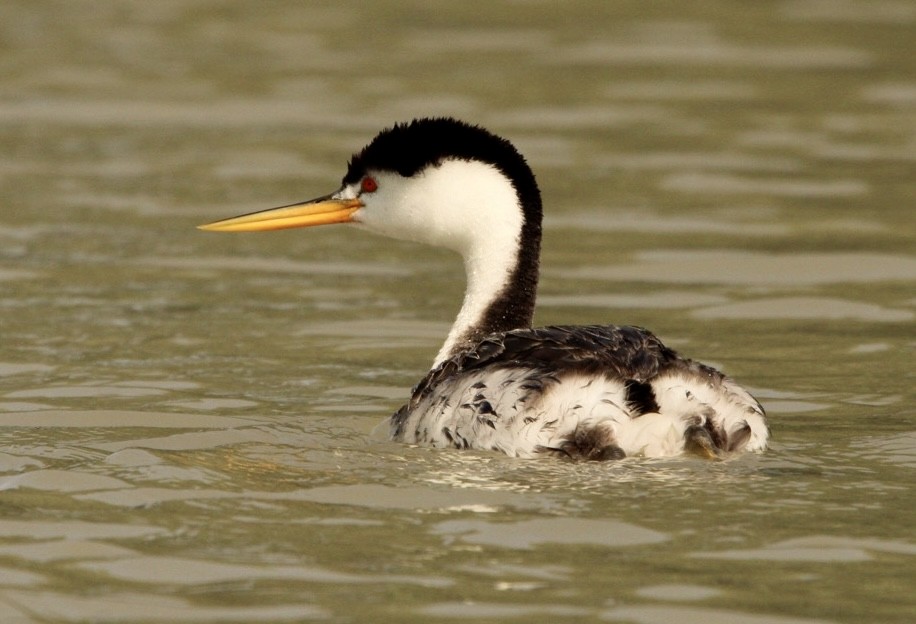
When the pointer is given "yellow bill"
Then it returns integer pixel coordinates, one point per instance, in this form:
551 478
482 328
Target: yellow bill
321 211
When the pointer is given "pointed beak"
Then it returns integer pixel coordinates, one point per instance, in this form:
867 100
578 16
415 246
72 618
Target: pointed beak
321 211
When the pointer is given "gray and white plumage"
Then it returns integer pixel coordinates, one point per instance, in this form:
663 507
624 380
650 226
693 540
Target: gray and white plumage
580 392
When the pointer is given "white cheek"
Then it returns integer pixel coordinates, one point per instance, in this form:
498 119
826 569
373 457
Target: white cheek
387 212
401 208
459 205
432 204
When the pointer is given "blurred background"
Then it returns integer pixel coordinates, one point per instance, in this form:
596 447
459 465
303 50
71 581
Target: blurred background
186 419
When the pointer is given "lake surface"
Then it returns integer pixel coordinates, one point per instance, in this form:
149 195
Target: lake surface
188 420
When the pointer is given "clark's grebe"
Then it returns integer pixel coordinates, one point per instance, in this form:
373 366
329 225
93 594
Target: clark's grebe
583 392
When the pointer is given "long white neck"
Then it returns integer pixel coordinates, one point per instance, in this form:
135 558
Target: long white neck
489 269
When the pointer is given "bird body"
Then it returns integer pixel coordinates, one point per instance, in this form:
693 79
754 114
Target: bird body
581 392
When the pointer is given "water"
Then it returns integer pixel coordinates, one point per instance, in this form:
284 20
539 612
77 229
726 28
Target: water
186 419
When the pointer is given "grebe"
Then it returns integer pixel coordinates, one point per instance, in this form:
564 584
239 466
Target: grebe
582 392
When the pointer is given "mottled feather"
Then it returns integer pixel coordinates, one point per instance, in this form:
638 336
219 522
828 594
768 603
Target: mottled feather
583 392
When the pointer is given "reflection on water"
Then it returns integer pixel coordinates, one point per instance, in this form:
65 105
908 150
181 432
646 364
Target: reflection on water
755 269
531 533
189 423
815 308
817 549
696 615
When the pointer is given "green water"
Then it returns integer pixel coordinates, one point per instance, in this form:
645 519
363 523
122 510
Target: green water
187 419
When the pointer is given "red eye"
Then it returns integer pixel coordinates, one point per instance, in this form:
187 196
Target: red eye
368 185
